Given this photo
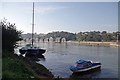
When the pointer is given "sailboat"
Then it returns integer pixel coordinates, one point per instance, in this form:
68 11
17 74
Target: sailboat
30 48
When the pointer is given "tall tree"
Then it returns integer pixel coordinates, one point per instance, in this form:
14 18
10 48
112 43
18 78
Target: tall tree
10 35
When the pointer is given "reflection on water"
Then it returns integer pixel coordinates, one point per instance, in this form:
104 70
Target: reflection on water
59 58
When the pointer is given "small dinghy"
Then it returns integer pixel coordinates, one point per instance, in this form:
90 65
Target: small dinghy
85 66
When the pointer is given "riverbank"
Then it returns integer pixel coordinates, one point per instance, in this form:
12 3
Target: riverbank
90 43
17 67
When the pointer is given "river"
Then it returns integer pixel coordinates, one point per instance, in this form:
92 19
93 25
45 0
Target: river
59 57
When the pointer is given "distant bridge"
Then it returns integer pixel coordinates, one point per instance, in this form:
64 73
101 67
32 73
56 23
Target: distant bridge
51 39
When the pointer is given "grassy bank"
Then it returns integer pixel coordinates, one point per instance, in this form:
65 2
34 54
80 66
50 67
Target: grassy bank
17 68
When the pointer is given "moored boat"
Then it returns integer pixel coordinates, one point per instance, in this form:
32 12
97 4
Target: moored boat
83 66
30 49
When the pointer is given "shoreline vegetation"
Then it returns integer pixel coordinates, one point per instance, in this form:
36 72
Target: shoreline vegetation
18 67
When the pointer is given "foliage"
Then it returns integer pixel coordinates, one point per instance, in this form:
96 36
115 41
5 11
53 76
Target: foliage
97 36
85 36
14 67
67 35
17 68
9 35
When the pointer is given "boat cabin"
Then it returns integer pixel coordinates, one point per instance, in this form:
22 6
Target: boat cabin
83 64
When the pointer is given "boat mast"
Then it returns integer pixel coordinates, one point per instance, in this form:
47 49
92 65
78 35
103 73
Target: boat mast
33 24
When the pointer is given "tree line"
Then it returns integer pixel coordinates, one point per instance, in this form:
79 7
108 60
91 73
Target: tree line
85 36
62 34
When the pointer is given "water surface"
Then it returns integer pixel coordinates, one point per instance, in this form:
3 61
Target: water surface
59 57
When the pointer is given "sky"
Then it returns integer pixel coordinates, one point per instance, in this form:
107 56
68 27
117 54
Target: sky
62 16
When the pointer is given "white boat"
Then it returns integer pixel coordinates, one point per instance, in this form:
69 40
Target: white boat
85 66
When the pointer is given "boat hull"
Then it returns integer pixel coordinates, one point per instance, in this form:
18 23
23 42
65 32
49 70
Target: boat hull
22 51
97 66
87 71
32 51
36 51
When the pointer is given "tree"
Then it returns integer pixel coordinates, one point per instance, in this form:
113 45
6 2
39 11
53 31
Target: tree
9 35
62 34
79 37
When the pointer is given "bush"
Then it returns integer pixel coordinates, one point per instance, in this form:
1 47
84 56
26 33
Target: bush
9 35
